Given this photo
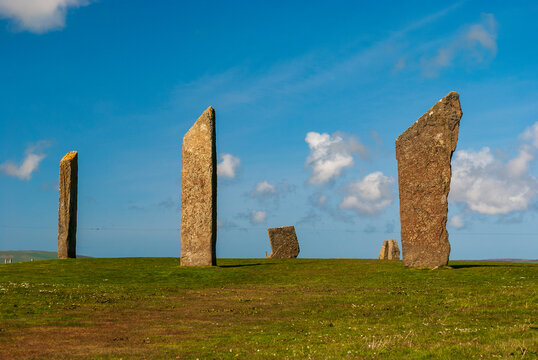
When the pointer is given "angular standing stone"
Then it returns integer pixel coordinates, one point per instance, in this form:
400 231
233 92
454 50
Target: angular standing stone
67 210
199 193
389 250
424 152
383 254
284 243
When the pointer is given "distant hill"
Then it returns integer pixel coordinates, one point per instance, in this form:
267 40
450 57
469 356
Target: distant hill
29 255
513 260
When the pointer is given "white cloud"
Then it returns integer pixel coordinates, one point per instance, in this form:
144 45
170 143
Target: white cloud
490 186
264 188
265 191
531 134
370 195
38 16
477 42
330 154
258 217
456 221
228 166
33 156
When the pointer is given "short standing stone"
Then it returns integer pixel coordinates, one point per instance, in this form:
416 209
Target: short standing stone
383 254
284 242
67 210
199 193
424 152
393 251
389 250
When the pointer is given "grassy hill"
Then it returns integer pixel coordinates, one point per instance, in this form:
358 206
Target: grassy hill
29 255
150 308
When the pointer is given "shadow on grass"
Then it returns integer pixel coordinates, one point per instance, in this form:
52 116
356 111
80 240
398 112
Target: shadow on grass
463 266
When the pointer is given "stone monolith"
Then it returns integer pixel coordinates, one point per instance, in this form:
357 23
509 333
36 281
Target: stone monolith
284 243
424 152
393 250
67 210
199 193
383 254
389 250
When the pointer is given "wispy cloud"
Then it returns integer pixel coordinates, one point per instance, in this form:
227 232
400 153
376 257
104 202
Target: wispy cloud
531 135
370 195
456 221
227 167
227 225
254 217
33 156
311 218
487 185
265 191
331 154
258 216
474 43
273 87
38 16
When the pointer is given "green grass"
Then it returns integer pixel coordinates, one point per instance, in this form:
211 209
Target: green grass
19 256
150 308
29 255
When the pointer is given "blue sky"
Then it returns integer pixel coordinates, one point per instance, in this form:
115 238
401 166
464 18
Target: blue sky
309 98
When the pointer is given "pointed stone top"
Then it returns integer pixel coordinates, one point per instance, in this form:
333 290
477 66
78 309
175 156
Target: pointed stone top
206 122
446 112
70 156
209 114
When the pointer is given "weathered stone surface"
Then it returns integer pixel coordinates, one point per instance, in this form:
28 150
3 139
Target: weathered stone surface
393 251
284 243
67 210
199 193
383 254
389 250
424 152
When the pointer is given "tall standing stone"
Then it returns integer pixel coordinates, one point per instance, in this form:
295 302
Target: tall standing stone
67 210
284 243
424 152
199 193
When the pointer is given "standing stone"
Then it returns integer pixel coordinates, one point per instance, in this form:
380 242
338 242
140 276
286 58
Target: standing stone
389 250
424 152
199 193
393 251
67 210
383 254
284 243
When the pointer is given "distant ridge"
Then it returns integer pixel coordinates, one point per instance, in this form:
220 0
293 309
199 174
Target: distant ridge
28 255
507 260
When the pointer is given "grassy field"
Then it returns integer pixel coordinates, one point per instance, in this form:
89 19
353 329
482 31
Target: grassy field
150 308
19 256
29 255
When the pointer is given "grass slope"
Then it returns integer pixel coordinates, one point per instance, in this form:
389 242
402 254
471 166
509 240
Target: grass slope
29 255
151 308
